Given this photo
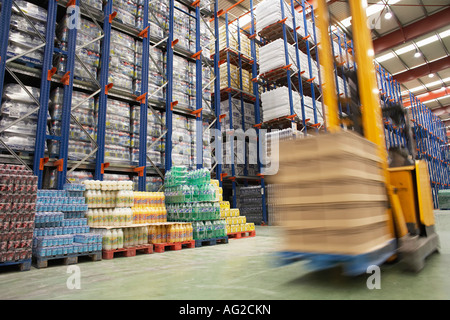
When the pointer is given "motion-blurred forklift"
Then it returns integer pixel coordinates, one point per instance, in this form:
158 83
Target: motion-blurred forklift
407 179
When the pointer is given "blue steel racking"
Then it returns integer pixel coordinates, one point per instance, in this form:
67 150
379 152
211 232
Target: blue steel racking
101 88
304 78
428 142
431 145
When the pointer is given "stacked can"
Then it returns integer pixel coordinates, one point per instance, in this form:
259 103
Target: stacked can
18 189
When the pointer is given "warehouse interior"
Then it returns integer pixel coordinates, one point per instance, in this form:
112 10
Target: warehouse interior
224 149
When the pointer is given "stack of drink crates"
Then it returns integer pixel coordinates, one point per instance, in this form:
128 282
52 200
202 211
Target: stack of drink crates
444 199
250 203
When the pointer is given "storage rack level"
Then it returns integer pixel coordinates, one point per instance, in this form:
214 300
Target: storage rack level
46 78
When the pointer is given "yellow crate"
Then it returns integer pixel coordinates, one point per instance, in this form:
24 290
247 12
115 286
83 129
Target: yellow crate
228 228
242 220
234 212
215 183
225 204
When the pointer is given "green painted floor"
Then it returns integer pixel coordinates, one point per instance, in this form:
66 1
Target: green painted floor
243 269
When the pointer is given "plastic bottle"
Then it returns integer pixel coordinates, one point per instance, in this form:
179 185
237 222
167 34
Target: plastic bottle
129 217
89 216
122 216
100 217
158 231
95 217
125 237
110 217
201 230
170 237
182 233
106 243
208 230
115 216
114 239
119 239
135 237
145 235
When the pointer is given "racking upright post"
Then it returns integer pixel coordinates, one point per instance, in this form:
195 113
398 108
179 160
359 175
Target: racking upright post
68 91
103 97
286 53
230 108
336 77
257 109
142 182
169 87
311 75
4 33
316 43
198 88
241 87
299 71
39 149
218 136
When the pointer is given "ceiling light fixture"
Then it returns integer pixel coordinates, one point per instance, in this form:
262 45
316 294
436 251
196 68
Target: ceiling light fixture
388 14
417 54
431 75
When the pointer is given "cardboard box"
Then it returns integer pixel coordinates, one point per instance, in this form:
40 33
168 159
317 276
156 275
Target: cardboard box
328 145
334 192
328 168
357 240
333 216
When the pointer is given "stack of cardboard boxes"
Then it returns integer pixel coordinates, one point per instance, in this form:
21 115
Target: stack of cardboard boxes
331 195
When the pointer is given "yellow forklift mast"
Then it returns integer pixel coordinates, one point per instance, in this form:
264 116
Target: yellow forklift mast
408 188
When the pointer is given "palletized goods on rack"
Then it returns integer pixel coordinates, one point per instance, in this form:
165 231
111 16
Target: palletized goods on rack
16 102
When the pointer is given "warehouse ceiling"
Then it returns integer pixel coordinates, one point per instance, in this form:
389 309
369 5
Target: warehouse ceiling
412 44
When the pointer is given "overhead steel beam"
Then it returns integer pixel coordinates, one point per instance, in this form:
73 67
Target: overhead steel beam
421 71
412 31
430 95
441 110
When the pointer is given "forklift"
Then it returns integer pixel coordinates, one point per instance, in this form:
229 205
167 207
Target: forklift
407 181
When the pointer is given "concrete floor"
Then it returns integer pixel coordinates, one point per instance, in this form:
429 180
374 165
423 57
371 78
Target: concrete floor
243 269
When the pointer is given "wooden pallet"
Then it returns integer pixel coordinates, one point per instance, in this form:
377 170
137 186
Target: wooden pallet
161 247
66 259
211 242
24 265
243 234
127 252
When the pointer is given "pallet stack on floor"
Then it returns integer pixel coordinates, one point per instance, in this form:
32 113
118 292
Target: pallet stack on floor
193 197
250 203
17 214
237 226
62 231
